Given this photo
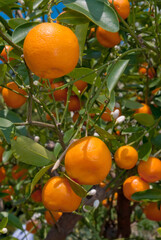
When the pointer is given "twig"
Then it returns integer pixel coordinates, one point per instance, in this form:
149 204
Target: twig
35 123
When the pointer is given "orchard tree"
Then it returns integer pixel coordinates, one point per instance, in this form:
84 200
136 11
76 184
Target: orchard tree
80 119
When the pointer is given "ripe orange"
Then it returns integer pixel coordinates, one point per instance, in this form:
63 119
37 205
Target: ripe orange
81 85
122 7
144 109
57 195
74 104
75 116
13 99
19 173
126 157
152 212
6 50
150 170
106 116
51 50
49 218
88 161
2 174
10 192
144 69
107 39
36 196
132 185
32 226
61 94
1 153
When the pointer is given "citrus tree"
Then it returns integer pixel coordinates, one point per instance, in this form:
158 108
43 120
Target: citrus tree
80 119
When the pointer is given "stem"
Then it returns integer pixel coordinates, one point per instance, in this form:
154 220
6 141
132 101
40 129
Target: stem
35 123
50 10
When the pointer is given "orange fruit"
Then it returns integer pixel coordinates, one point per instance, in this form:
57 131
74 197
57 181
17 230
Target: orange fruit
1 153
1 89
2 174
152 212
19 173
144 69
122 7
48 118
57 195
106 116
74 104
61 94
107 39
126 157
81 85
51 50
144 109
12 99
150 170
36 196
6 51
10 192
75 116
50 219
32 226
132 185
88 161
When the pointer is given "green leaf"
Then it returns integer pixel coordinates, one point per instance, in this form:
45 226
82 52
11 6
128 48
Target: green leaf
27 151
10 238
15 22
72 17
78 73
114 73
8 2
6 128
132 104
68 135
97 11
159 230
144 119
81 33
157 141
3 69
3 222
37 3
104 134
12 220
22 30
38 176
57 149
7 155
132 130
145 151
78 189
150 194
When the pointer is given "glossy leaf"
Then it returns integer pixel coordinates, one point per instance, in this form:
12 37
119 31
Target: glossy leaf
6 128
78 189
15 22
132 130
97 11
27 151
145 151
150 194
103 133
114 73
72 17
22 30
8 2
144 119
68 135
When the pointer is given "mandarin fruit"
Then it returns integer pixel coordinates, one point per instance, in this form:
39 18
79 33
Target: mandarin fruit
150 170
10 192
144 109
144 69
81 85
36 196
5 53
19 173
54 218
12 99
32 226
106 116
152 212
126 157
107 39
61 94
2 174
57 195
132 185
51 50
88 161
74 104
1 153
122 7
